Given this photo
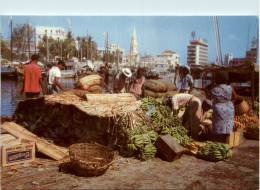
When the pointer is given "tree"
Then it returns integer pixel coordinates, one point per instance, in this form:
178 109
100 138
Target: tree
5 51
253 42
20 37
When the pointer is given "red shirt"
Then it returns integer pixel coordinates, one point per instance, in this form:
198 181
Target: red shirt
32 74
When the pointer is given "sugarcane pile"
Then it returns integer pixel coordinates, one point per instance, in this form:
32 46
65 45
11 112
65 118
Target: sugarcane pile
163 120
90 83
160 88
214 151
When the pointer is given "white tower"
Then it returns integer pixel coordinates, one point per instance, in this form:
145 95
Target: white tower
133 54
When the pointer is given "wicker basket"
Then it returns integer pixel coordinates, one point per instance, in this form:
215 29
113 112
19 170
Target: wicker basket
90 159
241 107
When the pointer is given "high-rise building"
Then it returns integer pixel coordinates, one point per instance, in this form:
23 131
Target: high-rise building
133 54
197 53
169 57
228 58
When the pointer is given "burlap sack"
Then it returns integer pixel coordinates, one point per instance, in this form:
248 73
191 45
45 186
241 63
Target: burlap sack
161 94
150 93
169 94
170 86
95 88
89 81
155 86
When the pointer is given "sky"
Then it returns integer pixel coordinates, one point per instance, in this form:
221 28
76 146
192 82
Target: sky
154 33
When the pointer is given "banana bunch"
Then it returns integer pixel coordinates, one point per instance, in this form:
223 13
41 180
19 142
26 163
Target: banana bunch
147 152
180 134
153 136
149 101
214 151
165 110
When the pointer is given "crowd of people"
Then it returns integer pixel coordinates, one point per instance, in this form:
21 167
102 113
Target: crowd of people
196 117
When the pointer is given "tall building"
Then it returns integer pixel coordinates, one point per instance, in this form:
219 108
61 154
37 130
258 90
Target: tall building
250 58
197 53
228 58
133 54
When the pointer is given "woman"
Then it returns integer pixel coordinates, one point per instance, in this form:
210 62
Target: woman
103 84
138 84
186 81
223 110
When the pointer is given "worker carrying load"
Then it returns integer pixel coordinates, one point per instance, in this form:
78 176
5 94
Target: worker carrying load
120 84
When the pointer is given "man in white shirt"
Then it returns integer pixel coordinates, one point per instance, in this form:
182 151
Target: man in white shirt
53 78
194 114
186 81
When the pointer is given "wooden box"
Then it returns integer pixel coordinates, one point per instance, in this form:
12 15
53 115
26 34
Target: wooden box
17 151
236 138
168 147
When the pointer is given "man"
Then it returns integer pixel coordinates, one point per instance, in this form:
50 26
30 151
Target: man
193 118
102 73
32 79
120 82
138 84
186 81
53 78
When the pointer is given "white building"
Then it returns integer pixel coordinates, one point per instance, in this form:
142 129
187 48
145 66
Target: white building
228 58
133 55
197 53
54 32
169 57
112 49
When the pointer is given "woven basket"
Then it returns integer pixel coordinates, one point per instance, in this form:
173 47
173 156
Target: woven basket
90 159
241 107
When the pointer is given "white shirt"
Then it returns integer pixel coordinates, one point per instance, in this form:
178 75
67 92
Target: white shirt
54 72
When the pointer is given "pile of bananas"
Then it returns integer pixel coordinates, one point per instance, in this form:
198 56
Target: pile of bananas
147 152
193 147
179 133
150 101
214 151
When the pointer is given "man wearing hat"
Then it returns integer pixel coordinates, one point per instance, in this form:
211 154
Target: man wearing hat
102 74
120 82
186 81
194 116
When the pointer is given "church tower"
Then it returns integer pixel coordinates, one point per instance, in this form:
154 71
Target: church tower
133 54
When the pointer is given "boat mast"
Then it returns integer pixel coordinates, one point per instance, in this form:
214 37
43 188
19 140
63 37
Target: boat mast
11 40
28 35
219 54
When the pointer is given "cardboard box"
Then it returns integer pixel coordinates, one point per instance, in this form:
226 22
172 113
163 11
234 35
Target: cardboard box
16 152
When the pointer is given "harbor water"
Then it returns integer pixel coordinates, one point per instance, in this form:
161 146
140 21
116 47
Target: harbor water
11 90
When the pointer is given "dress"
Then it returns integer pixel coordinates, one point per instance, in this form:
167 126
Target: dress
137 87
223 110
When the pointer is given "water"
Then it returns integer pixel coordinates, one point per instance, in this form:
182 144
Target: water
10 93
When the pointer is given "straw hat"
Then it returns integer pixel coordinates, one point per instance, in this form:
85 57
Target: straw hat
127 72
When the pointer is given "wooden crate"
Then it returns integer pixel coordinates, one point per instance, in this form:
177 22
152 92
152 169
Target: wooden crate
18 151
168 147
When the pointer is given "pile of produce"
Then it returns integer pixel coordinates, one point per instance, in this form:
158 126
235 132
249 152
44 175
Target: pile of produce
163 120
160 88
134 136
245 120
193 147
214 151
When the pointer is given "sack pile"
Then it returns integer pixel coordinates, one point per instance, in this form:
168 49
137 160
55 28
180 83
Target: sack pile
160 88
90 83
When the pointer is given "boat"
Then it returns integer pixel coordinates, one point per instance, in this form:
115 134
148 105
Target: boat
68 71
